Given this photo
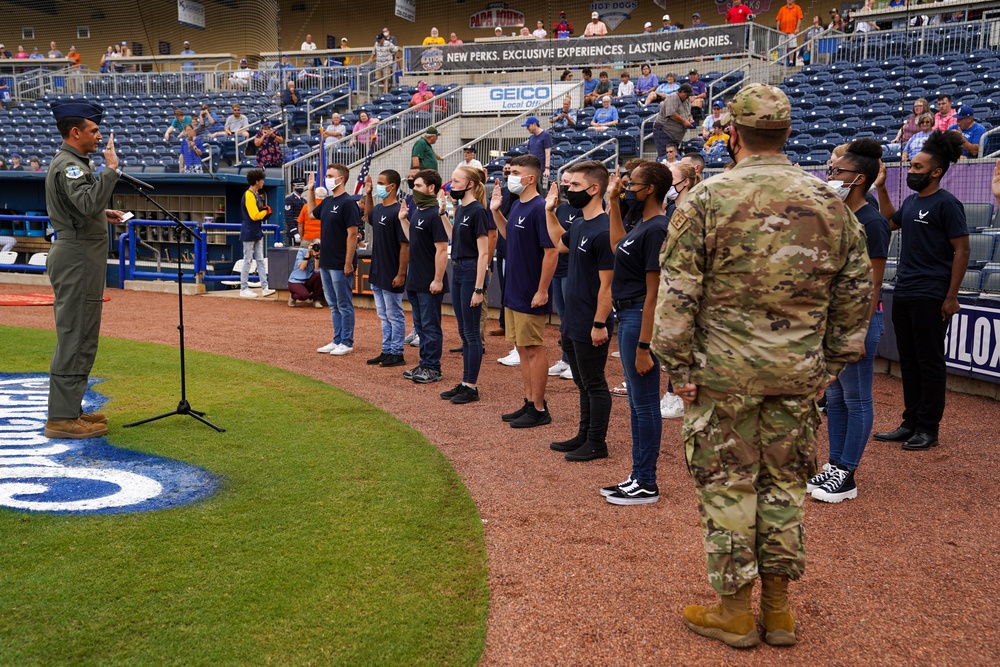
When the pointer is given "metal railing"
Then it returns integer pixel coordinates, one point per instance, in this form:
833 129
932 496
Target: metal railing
926 40
313 109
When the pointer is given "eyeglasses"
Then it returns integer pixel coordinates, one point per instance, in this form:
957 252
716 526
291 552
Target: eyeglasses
835 171
638 183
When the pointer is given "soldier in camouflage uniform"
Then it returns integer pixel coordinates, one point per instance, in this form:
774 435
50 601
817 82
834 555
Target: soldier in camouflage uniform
764 290
76 201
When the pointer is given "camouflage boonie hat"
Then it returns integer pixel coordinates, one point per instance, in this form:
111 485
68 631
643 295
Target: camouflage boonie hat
762 107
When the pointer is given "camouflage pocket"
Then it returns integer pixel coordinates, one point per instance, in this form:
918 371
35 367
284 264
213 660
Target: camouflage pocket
700 434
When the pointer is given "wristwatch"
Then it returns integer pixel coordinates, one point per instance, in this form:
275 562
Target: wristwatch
600 325
478 290
642 346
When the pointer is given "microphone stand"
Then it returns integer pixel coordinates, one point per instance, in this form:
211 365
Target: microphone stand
183 407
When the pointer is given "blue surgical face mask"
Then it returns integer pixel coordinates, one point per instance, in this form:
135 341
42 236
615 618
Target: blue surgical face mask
381 191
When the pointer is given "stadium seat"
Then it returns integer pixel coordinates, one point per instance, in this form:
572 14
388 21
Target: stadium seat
978 215
980 249
971 281
991 283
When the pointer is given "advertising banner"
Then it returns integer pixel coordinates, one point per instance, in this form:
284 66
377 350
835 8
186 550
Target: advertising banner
191 13
973 342
545 54
496 14
513 98
407 10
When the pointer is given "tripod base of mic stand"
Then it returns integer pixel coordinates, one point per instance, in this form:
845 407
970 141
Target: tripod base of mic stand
183 408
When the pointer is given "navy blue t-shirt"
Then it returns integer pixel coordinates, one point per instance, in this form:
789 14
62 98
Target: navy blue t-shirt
638 253
876 229
336 215
387 236
527 239
589 244
537 143
566 214
426 229
927 226
470 222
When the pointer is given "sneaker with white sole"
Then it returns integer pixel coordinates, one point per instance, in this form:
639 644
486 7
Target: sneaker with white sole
248 294
267 292
671 406
558 368
341 350
409 337
567 374
512 359
328 348
838 488
636 493
291 301
616 354
318 304
415 341
608 490
819 479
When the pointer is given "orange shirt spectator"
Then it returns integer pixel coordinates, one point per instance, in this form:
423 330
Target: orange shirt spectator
789 18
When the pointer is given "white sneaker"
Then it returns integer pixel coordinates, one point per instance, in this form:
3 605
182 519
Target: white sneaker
415 342
671 406
409 337
248 294
567 374
558 368
616 354
341 350
328 348
512 359
291 301
267 292
317 303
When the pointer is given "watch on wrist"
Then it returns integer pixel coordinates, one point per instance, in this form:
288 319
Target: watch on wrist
642 346
478 290
600 325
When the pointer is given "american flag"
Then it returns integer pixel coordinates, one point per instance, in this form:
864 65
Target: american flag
363 174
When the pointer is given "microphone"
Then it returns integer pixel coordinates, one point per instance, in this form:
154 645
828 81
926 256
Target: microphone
133 181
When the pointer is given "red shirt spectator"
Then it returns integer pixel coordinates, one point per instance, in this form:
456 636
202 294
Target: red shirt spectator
738 13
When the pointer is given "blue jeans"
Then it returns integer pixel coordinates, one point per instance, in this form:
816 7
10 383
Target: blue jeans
253 250
463 282
849 409
338 287
559 301
389 306
427 323
643 398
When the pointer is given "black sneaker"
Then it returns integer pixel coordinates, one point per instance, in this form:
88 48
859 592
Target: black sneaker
377 360
819 479
511 416
531 418
839 487
588 452
408 374
609 490
453 392
467 395
426 376
636 493
392 360
568 445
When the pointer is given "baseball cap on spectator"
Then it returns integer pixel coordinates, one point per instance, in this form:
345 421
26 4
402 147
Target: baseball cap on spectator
344 39
531 120
595 15
685 88
124 43
718 103
696 15
379 37
647 25
431 130
265 122
694 71
470 149
187 43
15 155
965 111
666 17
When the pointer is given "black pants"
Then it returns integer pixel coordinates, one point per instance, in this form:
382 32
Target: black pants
587 363
920 336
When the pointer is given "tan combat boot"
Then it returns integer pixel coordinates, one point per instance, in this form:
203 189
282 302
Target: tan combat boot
730 620
76 429
94 418
775 614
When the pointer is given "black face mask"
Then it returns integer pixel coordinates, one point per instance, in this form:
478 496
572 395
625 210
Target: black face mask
563 190
578 199
918 182
458 194
409 183
299 191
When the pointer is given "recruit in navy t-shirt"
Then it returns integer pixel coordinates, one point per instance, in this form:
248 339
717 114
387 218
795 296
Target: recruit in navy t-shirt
927 226
565 214
470 222
387 236
527 239
336 215
589 244
638 253
426 229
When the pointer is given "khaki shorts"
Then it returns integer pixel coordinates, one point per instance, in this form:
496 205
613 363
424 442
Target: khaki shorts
524 329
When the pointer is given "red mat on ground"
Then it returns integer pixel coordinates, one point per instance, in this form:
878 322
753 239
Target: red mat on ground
30 299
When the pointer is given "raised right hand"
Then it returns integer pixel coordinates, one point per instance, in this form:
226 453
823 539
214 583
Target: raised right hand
496 201
552 198
110 157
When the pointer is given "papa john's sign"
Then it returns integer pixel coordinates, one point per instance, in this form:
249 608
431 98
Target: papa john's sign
497 14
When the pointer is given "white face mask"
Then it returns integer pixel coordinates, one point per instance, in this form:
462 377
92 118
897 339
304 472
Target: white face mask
332 183
672 193
841 189
514 185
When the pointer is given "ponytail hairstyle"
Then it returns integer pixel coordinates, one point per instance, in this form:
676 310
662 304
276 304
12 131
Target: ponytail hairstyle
476 179
944 148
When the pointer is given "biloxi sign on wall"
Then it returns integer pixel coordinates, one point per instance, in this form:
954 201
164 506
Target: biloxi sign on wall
535 54
513 98
973 342
81 476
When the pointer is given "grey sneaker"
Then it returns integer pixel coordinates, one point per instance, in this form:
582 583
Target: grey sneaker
425 375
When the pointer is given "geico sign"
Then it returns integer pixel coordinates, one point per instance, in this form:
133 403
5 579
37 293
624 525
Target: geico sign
540 93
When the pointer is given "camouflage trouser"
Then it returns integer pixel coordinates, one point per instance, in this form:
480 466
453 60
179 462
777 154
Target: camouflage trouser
750 458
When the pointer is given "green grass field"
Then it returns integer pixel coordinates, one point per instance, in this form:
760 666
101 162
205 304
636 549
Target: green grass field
339 535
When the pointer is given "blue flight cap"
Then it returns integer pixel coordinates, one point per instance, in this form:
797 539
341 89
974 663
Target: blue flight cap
76 109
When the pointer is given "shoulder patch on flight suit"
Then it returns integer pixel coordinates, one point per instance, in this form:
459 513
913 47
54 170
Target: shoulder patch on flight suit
74 172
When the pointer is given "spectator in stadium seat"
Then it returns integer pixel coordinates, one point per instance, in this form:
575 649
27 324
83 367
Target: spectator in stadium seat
305 282
208 123
789 21
21 53
524 32
861 25
603 88
53 51
836 22
699 93
470 161
540 32
539 144
926 125
717 114
606 117
647 82
498 33
970 131
670 155
34 165
364 132
453 40
696 21
309 44
422 156
945 116
289 96
566 75
672 120
189 160
4 53
715 145
565 117
335 130
268 143
596 27
180 121
911 126
74 55
647 28
626 88
419 99
666 87
15 163
589 85
434 39
242 77
738 12
3 164
237 124
562 29
668 25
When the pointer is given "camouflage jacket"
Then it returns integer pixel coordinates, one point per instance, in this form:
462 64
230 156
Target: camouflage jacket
765 283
